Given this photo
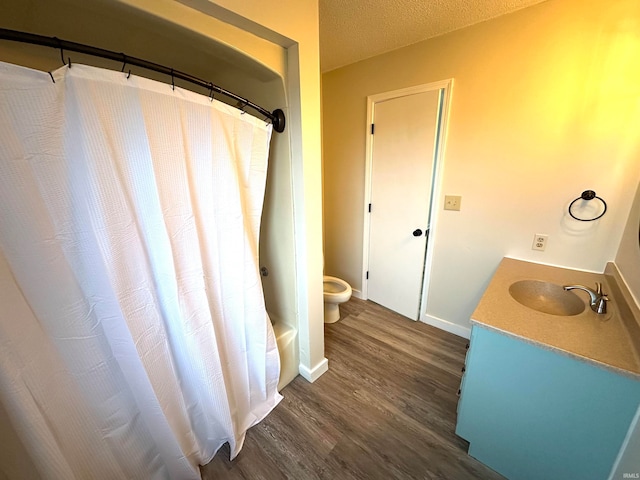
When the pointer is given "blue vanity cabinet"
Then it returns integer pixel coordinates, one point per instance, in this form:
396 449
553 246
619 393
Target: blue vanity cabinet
532 413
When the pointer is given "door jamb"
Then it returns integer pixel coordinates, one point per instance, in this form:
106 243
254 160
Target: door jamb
447 86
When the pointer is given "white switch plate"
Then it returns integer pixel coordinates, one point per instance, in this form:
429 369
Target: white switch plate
452 202
539 241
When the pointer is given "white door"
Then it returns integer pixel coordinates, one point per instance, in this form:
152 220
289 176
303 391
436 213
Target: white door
403 151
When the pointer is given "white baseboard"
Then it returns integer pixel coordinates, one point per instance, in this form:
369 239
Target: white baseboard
357 294
311 375
459 330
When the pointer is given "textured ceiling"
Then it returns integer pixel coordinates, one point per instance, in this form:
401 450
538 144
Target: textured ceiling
352 30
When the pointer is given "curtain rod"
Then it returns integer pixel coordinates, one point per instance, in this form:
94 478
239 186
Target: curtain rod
277 116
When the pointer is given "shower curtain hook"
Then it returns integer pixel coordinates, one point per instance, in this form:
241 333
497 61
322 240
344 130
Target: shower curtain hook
61 50
124 64
173 85
51 75
210 92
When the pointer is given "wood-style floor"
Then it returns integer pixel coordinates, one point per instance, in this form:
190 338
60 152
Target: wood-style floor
386 409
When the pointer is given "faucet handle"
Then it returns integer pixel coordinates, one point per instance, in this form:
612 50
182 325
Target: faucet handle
599 288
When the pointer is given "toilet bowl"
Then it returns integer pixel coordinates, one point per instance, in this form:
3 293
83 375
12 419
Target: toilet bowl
336 291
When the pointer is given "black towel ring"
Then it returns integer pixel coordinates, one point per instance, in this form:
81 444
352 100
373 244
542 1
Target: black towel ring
588 195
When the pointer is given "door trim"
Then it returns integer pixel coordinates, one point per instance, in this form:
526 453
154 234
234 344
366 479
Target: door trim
447 86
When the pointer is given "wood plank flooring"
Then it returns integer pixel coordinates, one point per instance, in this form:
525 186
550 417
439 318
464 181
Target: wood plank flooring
386 409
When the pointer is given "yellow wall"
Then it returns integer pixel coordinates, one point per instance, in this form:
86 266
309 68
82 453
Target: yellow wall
546 104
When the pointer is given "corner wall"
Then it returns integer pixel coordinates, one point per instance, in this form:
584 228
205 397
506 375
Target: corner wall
545 105
628 257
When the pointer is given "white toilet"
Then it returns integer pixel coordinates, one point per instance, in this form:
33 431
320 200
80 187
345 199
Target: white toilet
336 291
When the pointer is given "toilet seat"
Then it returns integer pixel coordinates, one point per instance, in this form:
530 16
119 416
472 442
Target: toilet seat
333 286
335 291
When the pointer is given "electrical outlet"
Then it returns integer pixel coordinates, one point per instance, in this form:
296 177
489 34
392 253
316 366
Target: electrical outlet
452 202
539 241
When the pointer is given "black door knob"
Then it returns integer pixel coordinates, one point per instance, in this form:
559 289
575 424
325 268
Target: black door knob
417 232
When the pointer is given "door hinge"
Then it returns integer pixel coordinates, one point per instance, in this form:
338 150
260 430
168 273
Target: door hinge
367 275
372 128
369 208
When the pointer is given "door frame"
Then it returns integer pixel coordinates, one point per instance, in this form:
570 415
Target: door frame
436 197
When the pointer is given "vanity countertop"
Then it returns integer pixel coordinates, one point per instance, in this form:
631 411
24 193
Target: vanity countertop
604 340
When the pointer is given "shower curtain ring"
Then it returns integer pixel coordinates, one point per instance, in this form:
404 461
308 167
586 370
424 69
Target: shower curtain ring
173 85
124 62
210 92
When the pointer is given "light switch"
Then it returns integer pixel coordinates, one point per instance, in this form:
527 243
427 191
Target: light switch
452 202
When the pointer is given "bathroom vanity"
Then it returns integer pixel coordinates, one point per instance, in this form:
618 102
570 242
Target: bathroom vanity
549 396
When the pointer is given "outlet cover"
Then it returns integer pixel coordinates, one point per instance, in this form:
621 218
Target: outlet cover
539 241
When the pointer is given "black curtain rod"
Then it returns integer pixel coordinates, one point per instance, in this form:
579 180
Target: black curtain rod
277 116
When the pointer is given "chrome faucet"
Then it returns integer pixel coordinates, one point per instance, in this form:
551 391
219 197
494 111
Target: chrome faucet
597 299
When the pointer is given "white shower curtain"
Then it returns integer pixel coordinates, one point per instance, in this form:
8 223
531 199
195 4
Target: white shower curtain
134 340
